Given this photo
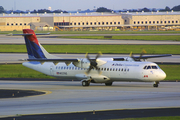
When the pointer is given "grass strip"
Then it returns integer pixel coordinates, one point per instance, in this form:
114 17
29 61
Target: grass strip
161 37
19 71
118 49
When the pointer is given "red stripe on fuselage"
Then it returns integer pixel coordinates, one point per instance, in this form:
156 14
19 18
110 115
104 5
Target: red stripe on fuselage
33 37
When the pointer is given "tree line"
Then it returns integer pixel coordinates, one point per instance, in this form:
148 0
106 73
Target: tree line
100 9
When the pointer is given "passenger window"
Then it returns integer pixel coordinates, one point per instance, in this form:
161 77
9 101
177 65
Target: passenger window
110 69
72 68
122 69
104 69
113 69
119 69
61 67
116 69
101 68
64 67
127 69
107 69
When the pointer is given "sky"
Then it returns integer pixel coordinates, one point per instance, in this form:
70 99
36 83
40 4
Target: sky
70 5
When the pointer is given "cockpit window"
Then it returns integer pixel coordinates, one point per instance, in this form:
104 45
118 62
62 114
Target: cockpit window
154 67
150 67
145 67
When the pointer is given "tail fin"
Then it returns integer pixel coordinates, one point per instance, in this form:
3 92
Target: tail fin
34 48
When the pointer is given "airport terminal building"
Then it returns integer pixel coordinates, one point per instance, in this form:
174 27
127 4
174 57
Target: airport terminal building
91 21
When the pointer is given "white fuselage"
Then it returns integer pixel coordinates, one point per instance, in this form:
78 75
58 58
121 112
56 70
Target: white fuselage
110 71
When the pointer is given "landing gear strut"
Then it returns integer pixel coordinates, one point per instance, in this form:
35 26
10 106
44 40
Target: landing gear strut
85 83
155 84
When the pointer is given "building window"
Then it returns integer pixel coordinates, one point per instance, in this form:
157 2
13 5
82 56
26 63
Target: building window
146 22
74 23
164 21
11 23
24 23
83 23
7 23
94 23
20 23
91 23
172 21
106 23
142 22
115 23
111 23
149 22
134 22
176 21
169 21
157 22
154 22
119 23
138 22
79 23
87 23
102 23
99 23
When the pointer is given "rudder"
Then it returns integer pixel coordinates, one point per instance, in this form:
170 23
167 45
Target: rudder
33 46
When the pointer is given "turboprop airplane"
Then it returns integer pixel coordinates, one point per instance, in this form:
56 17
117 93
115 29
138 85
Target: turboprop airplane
88 70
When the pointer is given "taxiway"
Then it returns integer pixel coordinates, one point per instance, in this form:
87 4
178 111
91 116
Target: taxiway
63 96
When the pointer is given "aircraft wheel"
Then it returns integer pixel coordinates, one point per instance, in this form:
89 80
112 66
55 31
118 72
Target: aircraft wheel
108 84
155 85
85 83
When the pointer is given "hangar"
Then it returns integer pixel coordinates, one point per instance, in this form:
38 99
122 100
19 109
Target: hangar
91 21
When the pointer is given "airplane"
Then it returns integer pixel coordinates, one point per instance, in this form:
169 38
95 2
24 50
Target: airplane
91 70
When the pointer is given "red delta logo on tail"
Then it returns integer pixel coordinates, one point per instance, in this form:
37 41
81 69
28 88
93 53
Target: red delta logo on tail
33 46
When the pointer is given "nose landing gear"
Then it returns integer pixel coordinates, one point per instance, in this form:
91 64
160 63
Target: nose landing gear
155 84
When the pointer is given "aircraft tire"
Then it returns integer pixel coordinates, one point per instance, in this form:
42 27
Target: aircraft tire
85 83
108 84
155 85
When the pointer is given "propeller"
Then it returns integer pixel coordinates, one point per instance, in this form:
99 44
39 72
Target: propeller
140 57
93 62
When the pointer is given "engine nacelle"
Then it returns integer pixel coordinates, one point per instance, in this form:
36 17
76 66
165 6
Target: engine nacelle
83 63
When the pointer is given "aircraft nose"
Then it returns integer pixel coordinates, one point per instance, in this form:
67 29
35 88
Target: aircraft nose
162 75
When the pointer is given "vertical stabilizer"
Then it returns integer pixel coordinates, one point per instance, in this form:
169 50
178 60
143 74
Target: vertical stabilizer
34 48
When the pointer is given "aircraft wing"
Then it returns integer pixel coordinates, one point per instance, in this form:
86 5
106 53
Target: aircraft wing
137 58
152 56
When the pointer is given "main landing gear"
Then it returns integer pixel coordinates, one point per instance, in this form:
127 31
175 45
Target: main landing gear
85 83
155 84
